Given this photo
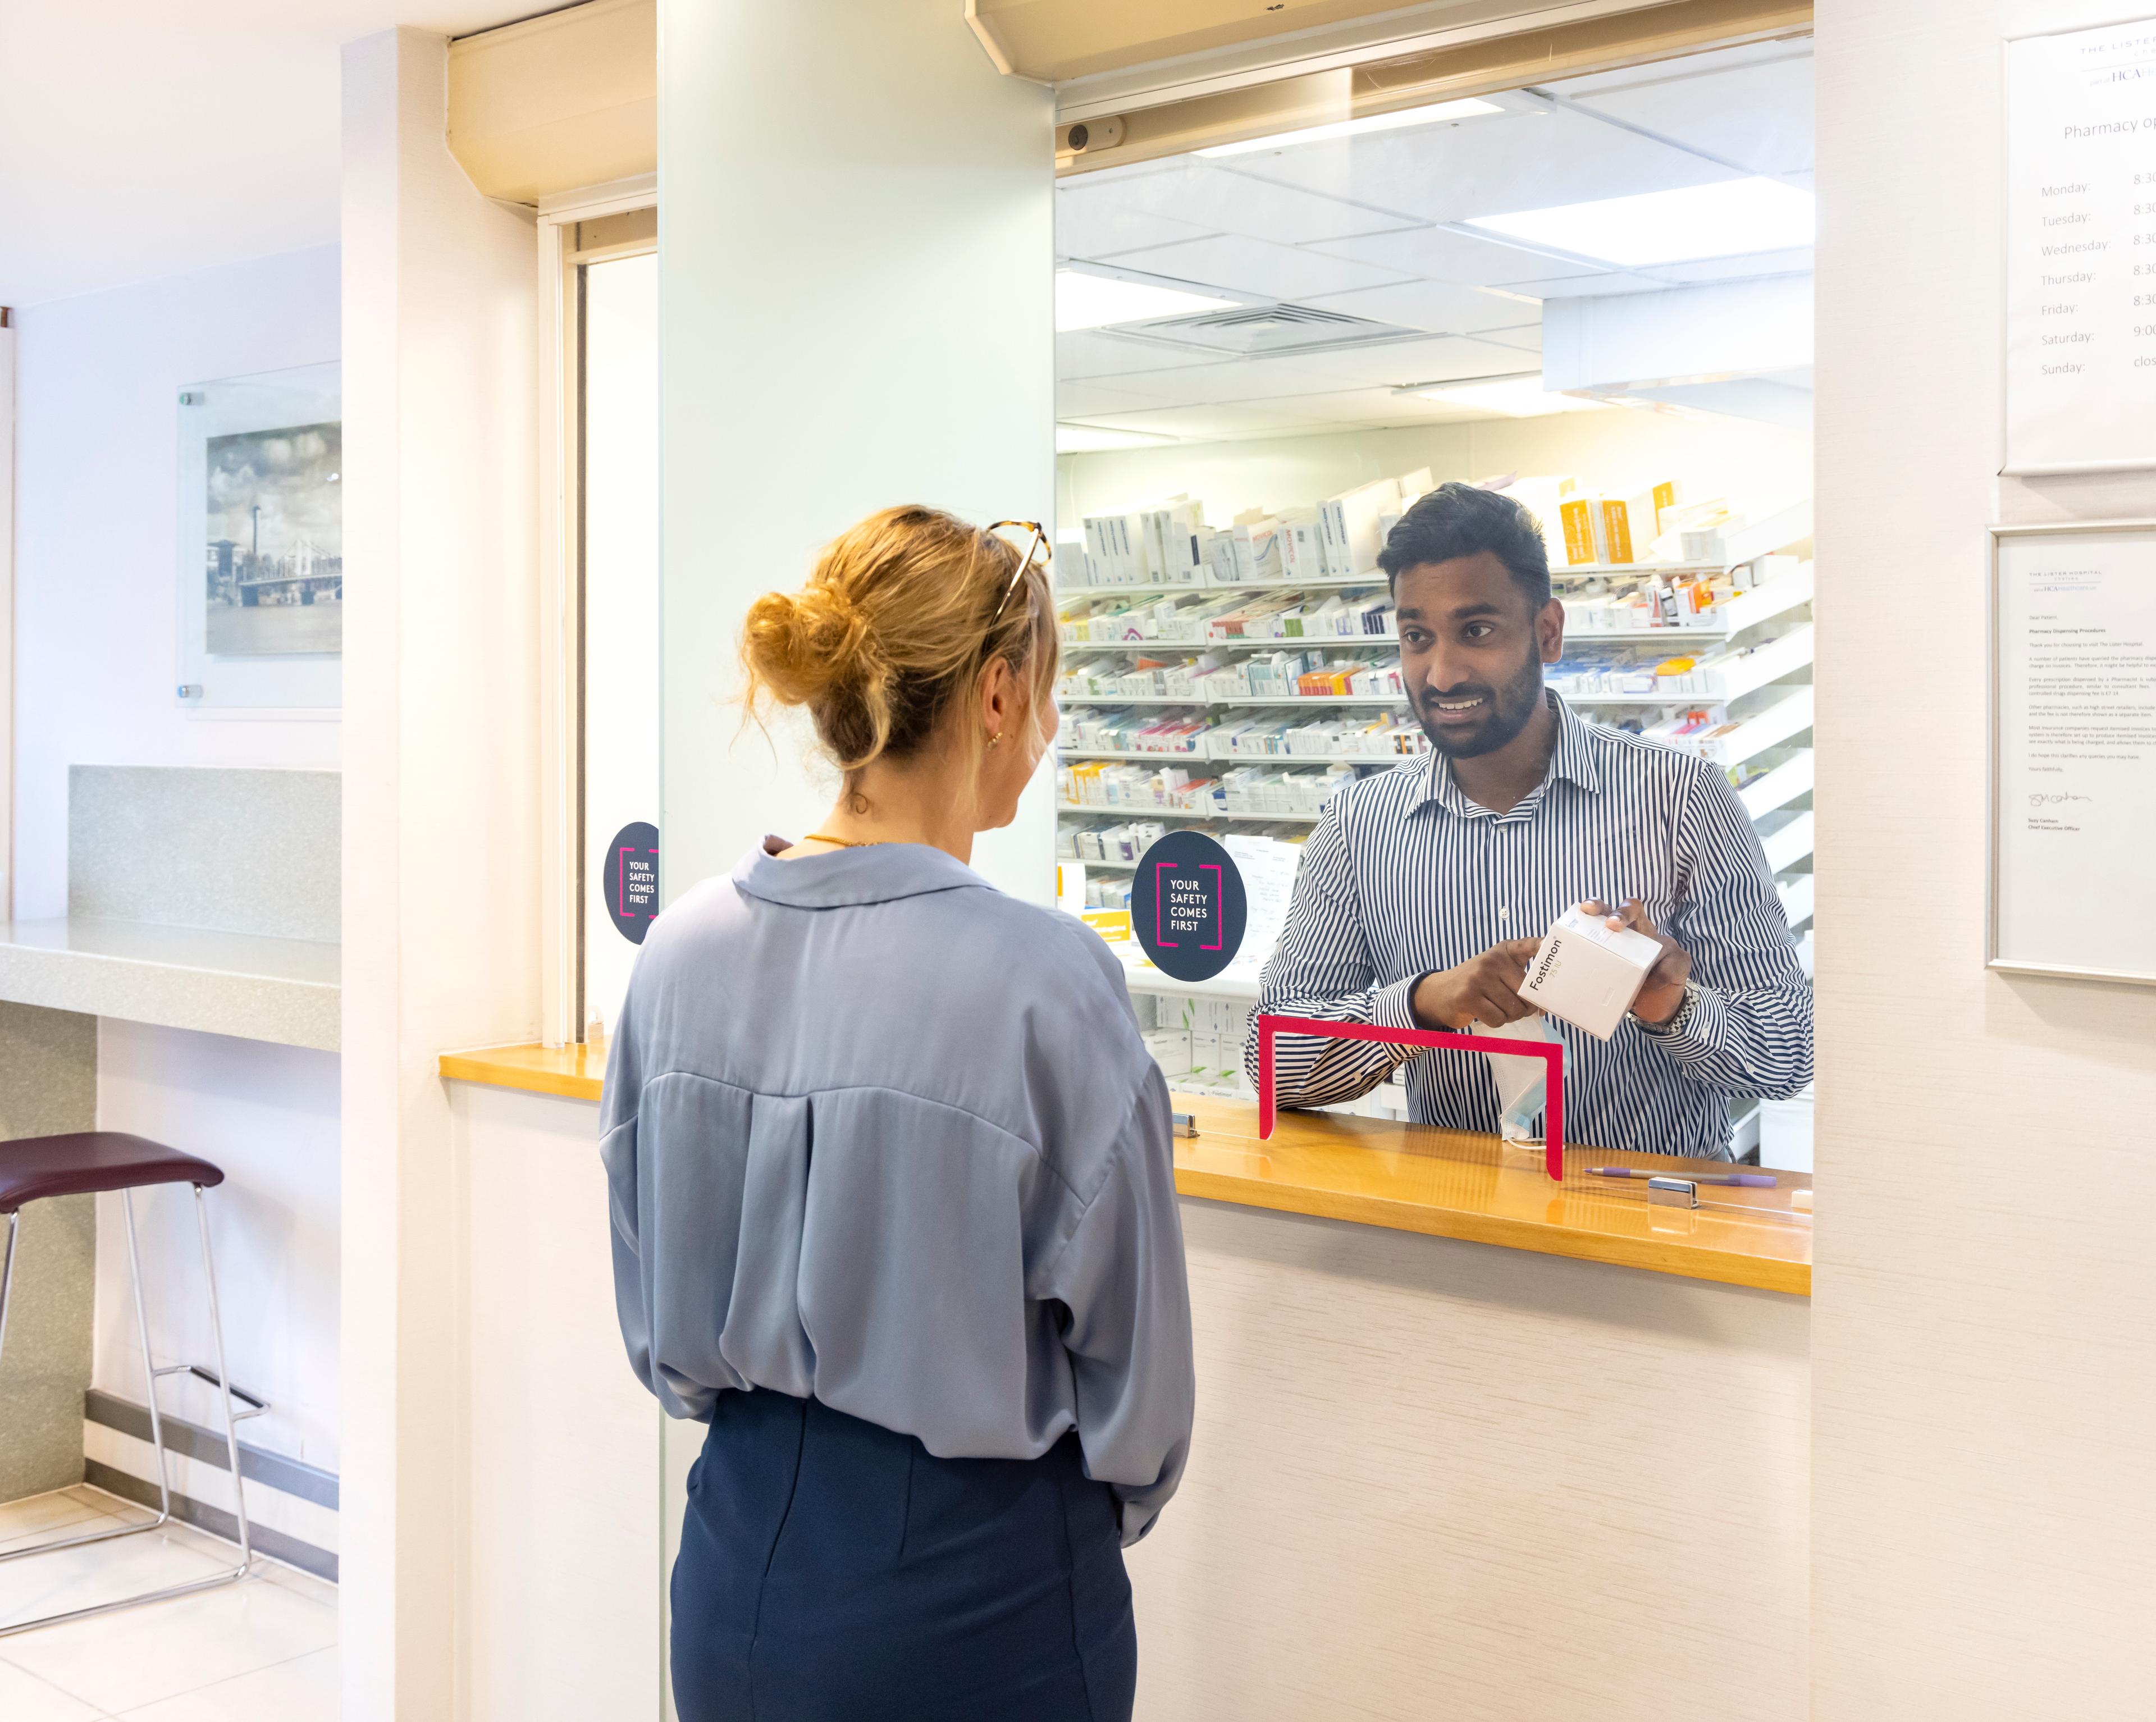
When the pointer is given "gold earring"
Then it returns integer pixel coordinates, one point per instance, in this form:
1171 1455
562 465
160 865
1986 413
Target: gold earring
996 740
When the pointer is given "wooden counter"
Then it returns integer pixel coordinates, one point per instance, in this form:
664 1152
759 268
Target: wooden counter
573 1072
1406 1178
1453 1184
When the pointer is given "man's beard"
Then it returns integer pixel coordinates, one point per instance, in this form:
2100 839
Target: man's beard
1506 711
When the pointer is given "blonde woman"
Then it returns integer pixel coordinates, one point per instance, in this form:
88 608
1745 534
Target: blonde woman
893 1203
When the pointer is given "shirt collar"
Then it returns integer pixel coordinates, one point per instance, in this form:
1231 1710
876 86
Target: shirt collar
1575 760
875 872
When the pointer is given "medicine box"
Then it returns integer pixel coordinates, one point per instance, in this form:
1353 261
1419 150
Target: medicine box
1588 973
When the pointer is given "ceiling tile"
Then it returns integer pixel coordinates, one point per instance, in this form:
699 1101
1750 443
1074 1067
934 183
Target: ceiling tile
1238 380
1287 381
1247 265
1226 199
1435 305
1528 337
1796 262
1082 397
1095 352
1380 406
1438 253
1100 227
1602 285
1122 174
1758 115
1220 423
1442 358
1492 166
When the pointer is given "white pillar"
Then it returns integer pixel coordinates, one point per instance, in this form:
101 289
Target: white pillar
856 247
1983 1410
441 930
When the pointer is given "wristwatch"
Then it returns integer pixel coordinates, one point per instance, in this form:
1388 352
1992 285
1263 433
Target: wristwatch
1676 1022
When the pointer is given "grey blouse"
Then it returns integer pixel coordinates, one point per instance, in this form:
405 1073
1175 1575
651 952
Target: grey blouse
876 1133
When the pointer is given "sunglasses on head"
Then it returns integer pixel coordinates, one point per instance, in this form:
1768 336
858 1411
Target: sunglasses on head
1036 545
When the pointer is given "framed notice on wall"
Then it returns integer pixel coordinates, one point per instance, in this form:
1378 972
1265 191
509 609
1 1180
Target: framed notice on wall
2073 760
2080 250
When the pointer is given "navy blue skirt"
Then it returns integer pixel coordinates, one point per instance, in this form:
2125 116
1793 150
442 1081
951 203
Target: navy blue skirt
832 1570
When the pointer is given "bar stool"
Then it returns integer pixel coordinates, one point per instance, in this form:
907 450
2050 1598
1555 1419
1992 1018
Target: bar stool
85 1162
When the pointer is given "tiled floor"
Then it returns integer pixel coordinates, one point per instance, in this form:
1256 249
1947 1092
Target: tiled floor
264 1650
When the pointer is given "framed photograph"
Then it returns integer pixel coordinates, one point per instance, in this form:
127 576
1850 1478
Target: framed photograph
2073 749
261 555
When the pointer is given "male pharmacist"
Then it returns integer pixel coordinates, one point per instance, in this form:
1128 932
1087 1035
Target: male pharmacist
1424 890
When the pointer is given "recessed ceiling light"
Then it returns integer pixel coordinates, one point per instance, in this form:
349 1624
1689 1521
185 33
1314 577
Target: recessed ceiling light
1732 218
1090 301
1464 109
1099 440
1513 397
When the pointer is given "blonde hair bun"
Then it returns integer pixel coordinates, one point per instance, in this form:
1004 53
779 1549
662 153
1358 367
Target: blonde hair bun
901 614
803 645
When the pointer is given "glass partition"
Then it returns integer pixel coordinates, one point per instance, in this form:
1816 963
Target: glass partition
619 531
1594 295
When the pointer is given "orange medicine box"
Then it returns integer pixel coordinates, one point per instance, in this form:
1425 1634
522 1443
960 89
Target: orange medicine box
1577 516
1615 539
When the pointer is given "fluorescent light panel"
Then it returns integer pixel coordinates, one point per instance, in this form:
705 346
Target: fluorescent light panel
1464 109
1090 301
1513 397
1732 218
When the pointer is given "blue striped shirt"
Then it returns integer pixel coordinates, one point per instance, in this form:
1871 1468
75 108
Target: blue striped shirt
1406 875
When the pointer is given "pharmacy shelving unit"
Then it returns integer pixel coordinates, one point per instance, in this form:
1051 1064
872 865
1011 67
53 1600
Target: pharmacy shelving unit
1766 696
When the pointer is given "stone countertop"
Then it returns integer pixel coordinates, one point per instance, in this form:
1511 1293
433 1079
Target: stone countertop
282 990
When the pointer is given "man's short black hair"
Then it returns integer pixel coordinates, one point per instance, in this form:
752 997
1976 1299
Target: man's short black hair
1456 520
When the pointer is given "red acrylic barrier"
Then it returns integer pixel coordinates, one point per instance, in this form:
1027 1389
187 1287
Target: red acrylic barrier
1551 1052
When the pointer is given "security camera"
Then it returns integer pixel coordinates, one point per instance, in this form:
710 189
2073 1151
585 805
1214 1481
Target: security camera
1084 135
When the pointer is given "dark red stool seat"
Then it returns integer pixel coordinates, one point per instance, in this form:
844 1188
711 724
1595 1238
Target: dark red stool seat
86 1161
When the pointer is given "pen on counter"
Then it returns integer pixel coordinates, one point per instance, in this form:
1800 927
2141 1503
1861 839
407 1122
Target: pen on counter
1748 1180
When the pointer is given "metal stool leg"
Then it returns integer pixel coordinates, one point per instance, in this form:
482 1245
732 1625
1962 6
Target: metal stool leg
149 1363
7 1276
224 1388
225 1392
157 1427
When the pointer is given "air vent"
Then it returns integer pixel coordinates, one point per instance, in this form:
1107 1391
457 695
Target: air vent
1254 329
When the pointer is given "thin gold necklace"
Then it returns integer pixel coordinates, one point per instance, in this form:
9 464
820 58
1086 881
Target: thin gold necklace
843 842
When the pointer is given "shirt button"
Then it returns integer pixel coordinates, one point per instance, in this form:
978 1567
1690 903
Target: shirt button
1504 914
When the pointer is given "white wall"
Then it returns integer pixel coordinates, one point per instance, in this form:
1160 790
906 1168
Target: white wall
96 654
441 919
268 1116
1984 1409
95 663
1430 1479
562 1522
1620 449
893 343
